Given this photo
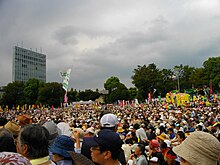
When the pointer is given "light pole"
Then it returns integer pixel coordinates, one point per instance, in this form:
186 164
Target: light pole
177 72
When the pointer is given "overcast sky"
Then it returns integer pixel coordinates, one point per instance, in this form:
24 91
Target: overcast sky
103 38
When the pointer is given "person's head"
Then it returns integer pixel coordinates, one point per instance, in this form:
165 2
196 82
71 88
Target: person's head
90 132
109 121
154 145
6 141
106 146
61 147
163 146
13 127
199 148
136 126
180 136
161 137
170 131
52 129
3 121
33 141
139 150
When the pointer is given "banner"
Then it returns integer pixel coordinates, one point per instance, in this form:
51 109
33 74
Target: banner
66 77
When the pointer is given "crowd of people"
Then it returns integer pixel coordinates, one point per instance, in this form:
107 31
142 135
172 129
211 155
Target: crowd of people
152 133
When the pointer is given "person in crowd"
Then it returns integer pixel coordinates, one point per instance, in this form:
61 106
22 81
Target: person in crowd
108 122
154 151
3 121
7 143
168 154
7 158
139 157
140 133
60 150
151 133
199 148
13 127
33 143
53 130
106 147
171 133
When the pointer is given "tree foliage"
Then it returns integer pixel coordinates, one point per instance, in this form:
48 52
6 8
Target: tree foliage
146 79
51 93
212 71
31 90
117 90
13 94
88 94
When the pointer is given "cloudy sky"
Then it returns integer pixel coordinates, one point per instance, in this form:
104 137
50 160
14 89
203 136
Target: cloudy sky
103 38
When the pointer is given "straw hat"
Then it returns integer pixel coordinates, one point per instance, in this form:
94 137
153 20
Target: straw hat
13 127
199 148
24 120
120 130
162 136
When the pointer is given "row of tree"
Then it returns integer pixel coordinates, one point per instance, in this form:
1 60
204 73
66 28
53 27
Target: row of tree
146 79
38 92
157 82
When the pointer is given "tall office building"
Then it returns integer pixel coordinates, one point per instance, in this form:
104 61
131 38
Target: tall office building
28 64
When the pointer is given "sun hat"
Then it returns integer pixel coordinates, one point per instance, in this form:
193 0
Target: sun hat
162 136
64 129
154 159
90 130
13 127
109 120
53 130
24 120
7 158
80 159
120 130
199 148
107 139
62 145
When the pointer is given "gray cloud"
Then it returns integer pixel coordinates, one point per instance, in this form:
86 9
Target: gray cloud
99 39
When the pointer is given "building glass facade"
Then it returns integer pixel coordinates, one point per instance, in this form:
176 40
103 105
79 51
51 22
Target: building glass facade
28 64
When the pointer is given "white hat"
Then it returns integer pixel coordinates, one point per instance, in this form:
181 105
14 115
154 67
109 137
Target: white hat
167 142
109 120
154 159
90 130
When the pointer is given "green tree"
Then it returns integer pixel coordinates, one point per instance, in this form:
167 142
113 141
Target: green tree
13 94
199 77
185 75
168 83
117 90
146 79
133 93
51 93
72 95
88 94
212 71
31 90
111 83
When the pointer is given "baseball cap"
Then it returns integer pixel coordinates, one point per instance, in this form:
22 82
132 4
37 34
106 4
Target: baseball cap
109 120
107 139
